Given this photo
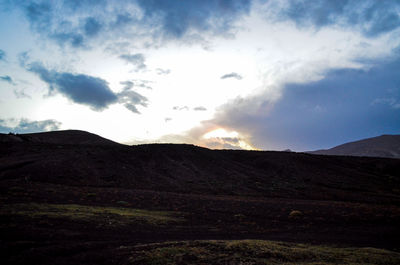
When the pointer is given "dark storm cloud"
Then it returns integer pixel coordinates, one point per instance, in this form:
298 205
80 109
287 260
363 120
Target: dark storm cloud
7 79
27 126
136 60
344 106
2 55
232 75
372 17
87 90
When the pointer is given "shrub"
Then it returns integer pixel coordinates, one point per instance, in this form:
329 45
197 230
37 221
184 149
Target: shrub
91 195
295 214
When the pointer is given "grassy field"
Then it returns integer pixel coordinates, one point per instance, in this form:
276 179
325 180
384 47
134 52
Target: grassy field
92 214
249 252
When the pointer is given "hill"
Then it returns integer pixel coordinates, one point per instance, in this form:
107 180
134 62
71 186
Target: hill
72 137
82 159
71 197
381 146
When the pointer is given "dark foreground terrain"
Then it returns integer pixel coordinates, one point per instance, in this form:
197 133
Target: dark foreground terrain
75 198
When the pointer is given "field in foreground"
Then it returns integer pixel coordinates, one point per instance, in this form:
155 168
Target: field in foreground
84 202
254 252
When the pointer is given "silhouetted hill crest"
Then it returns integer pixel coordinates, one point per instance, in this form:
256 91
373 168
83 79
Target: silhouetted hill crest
70 137
380 146
77 158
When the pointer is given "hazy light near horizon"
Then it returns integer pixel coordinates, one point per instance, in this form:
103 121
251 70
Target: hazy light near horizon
232 74
222 138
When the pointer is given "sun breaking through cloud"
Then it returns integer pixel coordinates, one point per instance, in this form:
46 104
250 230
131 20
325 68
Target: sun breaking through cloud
248 74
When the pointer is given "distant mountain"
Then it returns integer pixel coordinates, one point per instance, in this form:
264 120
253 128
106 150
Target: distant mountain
381 146
73 137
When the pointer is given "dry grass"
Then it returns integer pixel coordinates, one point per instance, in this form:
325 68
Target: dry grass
257 252
95 214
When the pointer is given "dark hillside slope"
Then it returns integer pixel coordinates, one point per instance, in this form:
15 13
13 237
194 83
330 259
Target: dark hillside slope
71 197
74 137
381 146
191 169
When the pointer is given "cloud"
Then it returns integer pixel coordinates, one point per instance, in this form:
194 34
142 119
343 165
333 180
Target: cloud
372 17
80 88
7 79
122 20
131 99
20 93
92 26
211 135
345 105
88 90
392 102
129 84
224 143
38 14
179 17
76 40
199 108
45 19
143 83
27 126
66 22
186 108
76 23
2 55
180 108
136 60
23 58
160 71
232 75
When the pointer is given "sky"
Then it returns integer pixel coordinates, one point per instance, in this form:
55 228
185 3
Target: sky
235 74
